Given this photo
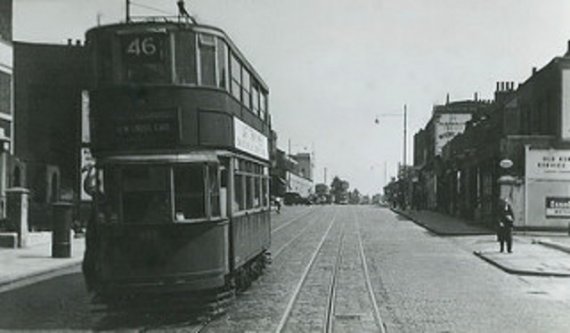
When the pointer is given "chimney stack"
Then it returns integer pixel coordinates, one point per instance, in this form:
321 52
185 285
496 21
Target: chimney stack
78 42
568 49
475 97
69 42
533 70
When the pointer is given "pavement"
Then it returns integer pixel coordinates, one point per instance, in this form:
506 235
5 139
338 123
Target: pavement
34 263
534 253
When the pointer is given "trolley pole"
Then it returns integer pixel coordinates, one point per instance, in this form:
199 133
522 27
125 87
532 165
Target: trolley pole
128 11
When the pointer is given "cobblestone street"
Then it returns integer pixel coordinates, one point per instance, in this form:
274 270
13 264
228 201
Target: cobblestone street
331 264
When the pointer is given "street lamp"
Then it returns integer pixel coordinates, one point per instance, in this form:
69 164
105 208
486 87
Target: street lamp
405 115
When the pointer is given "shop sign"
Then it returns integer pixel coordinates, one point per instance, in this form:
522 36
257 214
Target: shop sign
558 207
249 140
549 164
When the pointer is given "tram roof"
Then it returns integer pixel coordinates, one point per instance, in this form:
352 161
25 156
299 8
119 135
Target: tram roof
174 23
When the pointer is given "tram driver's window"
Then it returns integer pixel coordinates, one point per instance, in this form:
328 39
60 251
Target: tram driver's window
189 192
185 46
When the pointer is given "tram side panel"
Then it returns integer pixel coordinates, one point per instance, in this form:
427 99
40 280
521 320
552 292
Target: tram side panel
251 234
154 257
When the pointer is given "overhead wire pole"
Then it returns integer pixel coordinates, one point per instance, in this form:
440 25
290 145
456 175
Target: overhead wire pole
405 115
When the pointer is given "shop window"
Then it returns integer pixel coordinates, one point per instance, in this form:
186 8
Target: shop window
207 60
185 46
189 192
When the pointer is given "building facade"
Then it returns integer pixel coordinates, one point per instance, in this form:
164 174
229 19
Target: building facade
49 82
6 97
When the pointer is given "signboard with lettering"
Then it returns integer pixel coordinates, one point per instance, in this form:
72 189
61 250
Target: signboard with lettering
143 47
558 207
153 130
548 164
447 126
249 140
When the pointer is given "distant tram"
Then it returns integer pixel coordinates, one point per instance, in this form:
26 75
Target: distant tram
180 127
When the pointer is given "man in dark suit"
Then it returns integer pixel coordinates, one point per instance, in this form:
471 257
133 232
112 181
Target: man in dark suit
505 218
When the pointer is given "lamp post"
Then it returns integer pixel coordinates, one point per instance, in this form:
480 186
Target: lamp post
405 116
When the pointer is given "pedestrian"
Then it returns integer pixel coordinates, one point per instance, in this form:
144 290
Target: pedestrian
505 219
278 204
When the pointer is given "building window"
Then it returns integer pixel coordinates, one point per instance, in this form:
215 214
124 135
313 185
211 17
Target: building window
255 100
5 93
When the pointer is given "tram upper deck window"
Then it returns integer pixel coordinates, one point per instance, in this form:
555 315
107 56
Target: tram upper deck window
189 183
185 50
263 105
146 194
145 57
222 57
236 77
246 86
207 52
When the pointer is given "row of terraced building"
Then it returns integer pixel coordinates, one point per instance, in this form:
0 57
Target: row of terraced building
515 147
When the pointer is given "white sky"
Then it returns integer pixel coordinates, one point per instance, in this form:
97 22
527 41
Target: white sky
332 65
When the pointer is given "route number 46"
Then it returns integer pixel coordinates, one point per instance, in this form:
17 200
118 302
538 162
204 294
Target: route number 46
142 46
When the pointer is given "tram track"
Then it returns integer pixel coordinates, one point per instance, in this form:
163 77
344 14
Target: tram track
370 289
308 268
195 325
305 213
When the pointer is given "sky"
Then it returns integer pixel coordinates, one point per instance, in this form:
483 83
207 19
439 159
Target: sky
333 66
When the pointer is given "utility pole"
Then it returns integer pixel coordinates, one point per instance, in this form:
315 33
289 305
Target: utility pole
405 134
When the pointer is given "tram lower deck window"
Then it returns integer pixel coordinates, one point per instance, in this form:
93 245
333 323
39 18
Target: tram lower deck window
146 195
189 192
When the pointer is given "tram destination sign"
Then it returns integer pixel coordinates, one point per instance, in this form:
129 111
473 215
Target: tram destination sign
155 131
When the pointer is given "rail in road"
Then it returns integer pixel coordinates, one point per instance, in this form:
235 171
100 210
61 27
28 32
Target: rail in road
314 303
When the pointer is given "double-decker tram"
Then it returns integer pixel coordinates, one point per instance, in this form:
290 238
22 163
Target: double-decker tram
180 133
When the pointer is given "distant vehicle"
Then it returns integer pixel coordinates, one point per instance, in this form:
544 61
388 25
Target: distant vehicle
341 198
294 198
322 194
